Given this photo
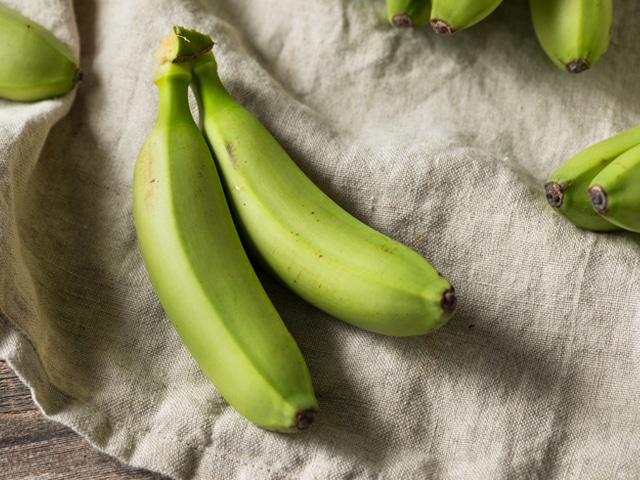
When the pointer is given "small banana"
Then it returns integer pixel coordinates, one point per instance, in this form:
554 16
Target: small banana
566 188
573 33
408 13
34 64
615 191
450 16
303 237
200 271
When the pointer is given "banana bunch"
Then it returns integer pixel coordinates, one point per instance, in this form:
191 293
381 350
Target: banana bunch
205 202
35 64
203 199
200 271
573 33
597 189
444 16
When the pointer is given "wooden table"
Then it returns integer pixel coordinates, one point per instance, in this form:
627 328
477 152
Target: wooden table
32 446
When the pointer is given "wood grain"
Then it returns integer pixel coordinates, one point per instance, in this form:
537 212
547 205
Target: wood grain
34 447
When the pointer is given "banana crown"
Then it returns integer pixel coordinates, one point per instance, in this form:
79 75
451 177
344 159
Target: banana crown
182 45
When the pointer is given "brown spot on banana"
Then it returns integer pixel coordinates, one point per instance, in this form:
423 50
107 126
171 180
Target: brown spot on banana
232 156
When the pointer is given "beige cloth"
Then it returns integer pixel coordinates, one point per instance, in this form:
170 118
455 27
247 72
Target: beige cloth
442 143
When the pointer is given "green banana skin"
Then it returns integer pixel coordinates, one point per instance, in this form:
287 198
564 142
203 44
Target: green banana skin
573 33
408 13
202 276
450 16
35 64
566 188
304 238
615 191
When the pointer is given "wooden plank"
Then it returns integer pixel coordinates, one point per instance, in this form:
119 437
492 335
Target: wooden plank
33 447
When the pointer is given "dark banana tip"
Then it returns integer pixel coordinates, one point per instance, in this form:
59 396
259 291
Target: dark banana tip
305 419
578 65
441 27
598 198
402 20
448 301
553 191
77 77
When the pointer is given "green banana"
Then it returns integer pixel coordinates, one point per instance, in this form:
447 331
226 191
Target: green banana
307 241
408 13
573 33
35 64
566 188
615 191
201 273
450 16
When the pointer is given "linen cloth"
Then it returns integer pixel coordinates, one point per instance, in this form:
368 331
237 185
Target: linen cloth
442 143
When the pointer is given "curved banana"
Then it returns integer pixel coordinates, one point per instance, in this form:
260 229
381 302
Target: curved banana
408 13
201 274
615 191
566 188
304 238
450 16
573 33
34 64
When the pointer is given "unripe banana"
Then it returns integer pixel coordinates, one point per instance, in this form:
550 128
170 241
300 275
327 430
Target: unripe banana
615 191
302 237
566 188
34 64
450 16
573 33
200 271
408 13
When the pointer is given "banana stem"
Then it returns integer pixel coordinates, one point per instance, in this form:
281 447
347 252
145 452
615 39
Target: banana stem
173 80
205 71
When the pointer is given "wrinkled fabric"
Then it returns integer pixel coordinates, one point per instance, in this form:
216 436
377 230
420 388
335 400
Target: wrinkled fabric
443 143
